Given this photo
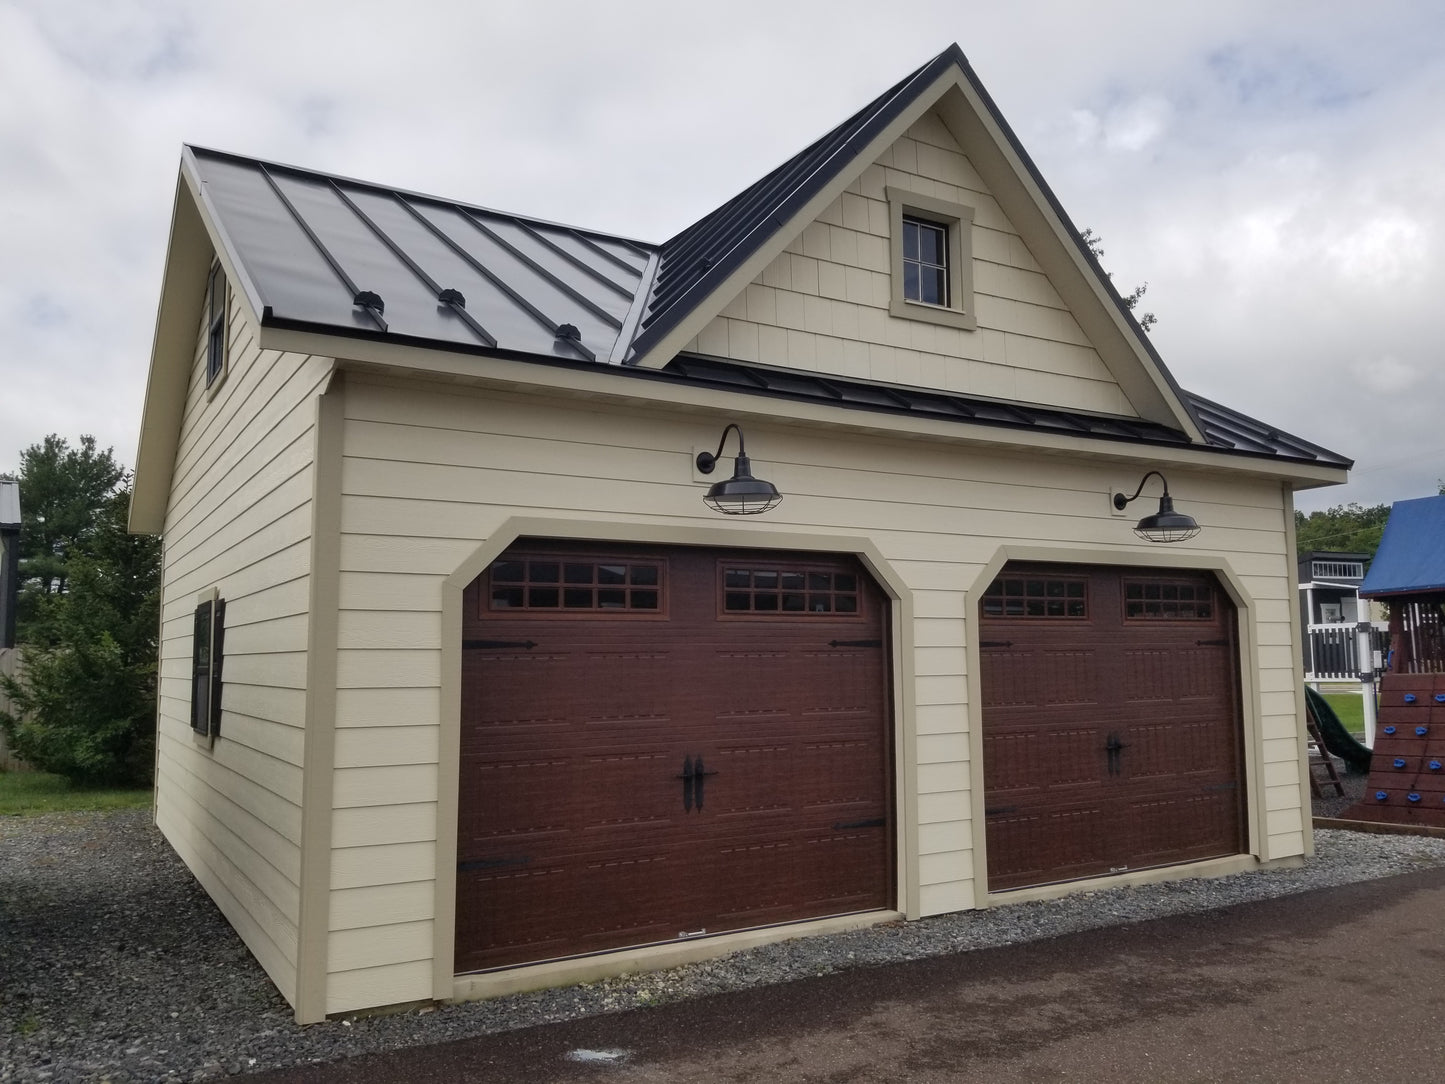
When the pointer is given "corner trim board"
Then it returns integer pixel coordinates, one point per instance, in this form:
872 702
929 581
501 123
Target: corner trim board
318 757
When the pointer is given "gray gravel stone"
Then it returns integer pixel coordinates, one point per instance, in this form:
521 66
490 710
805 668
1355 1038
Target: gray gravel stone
115 965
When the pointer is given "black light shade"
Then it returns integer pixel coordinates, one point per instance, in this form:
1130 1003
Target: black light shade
1165 525
742 494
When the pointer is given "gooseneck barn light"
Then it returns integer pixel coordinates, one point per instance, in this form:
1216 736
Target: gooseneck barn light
1165 525
742 494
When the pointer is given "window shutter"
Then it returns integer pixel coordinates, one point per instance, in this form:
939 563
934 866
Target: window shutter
206 654
201 650
218 658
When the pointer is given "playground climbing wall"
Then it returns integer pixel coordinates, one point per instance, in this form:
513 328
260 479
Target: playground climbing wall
1407 772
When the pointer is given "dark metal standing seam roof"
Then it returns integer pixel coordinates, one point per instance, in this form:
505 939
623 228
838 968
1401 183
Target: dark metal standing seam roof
692 264
1230 430
340 256
1226 430
345 257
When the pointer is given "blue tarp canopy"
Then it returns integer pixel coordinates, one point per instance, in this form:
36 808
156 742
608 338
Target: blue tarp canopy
1411 557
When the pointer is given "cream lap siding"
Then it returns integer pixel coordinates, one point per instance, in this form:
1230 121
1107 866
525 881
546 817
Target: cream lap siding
239 519
431 474
822 305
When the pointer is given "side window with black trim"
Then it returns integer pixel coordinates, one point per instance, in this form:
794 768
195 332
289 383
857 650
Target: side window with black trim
216 326
207 655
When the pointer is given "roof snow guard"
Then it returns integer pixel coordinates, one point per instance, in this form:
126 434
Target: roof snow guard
1411 557
322 253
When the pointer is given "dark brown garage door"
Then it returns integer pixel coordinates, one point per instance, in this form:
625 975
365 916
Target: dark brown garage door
1111 722
665 743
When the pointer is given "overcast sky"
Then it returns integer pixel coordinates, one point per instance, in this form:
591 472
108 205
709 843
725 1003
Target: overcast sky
1274 170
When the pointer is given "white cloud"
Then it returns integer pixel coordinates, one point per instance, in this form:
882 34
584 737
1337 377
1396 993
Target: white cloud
1385 251
1270 169
1135 125
1385 375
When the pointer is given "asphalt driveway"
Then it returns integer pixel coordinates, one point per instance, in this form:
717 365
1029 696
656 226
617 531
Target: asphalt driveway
1342 984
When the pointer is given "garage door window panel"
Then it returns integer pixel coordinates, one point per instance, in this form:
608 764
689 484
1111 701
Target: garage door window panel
1037 598
789 591
540 586
1163 601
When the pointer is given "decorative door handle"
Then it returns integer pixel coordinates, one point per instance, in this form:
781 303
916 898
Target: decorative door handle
1114 747
693 776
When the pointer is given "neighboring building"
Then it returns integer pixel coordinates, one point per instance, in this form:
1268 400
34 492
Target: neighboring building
9 559
1329 599
9 595
464 689
1329 584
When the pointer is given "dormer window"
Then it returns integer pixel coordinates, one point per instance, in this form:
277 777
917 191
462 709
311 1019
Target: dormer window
216 326
932 264
925 261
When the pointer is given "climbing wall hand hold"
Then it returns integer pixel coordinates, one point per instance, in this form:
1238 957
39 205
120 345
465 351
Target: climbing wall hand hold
1440 698
1409 698
1381 795
1389 730
1435 765
1412 796
1421 731
1399 762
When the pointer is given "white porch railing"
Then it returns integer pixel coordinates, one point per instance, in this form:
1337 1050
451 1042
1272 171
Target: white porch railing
1332 654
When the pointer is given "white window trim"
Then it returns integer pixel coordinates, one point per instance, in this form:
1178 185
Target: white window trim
958 218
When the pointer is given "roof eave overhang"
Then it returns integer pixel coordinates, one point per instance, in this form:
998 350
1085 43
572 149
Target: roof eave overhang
194 242
1396 592
563 378
183 288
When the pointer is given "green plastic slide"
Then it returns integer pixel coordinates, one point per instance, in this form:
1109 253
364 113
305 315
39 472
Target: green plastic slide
1337 739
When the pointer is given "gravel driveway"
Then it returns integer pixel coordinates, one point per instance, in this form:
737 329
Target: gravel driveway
115 966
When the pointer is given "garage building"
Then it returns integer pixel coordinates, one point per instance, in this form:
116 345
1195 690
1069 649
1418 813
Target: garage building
465 689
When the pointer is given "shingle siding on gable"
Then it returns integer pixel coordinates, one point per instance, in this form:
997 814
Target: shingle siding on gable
822 305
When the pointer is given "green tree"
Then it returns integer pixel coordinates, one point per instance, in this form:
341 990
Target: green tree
84 703
1349 528
61 490
1095 244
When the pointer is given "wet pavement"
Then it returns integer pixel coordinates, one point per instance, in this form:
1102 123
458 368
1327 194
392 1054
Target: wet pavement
1343 984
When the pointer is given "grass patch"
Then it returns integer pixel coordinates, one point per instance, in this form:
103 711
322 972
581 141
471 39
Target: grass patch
1350 708
26 793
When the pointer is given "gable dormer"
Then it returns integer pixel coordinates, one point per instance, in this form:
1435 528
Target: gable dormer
914 276
1039 321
